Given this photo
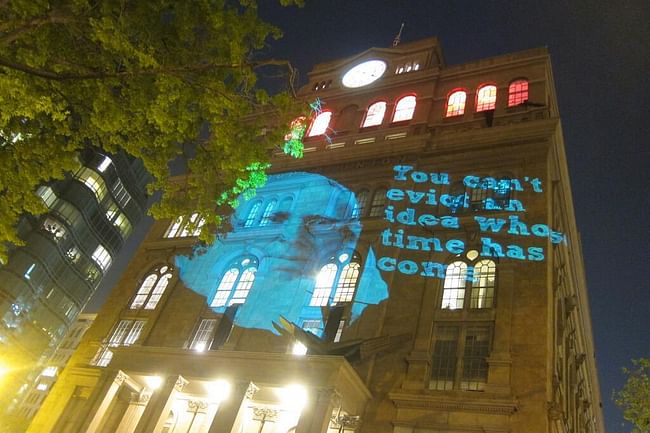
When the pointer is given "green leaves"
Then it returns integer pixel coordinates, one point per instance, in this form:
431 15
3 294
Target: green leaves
160 80
634 398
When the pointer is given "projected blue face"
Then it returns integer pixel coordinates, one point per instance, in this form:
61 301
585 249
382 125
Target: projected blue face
292 251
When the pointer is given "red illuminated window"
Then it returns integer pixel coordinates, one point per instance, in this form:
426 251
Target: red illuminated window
404 109
517 92
320 124
456 103
375 114
486 98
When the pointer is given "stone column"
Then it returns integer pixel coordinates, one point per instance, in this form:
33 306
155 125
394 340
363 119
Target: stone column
230 412
159 405
105 396
134 412
316 415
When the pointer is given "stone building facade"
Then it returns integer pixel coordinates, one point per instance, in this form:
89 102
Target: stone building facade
419 270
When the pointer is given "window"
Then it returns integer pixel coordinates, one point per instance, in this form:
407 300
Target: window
252 214
456 103
460 357
125 333
379 202
119 220
203 335
360 204
55 228
236 283
486 98
268 211
404 109
517 92
472 286
375 114
93 181
185 226
47 194
320 124
106 162
340 275
102 257
152 289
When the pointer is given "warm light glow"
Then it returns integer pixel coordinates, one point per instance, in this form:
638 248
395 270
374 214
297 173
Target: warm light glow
517 93
486 99
456 103
294 396
4 370
49 371
404 109
320 124
104 164
219 390
41 387
375 114
153 382
299 349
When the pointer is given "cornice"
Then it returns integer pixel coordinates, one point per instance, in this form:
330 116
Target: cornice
496 406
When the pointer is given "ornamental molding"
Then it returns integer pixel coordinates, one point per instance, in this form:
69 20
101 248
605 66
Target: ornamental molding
265 414
251 390
471 428
447 403
197 405
120 377
181 382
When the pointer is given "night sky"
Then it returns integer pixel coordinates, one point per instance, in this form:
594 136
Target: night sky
600 51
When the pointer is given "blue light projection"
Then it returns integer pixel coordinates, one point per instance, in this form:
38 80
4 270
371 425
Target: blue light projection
395 235
311 225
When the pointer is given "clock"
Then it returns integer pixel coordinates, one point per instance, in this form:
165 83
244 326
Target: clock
364 73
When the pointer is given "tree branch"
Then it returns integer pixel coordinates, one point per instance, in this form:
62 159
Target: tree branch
202 67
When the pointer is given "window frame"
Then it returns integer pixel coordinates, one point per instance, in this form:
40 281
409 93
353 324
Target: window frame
455 112
235 287
397 109
336 289
490 101
513 94
486 289
315 121
368 114
163 273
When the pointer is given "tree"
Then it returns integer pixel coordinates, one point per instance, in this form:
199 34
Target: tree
159 79
634 398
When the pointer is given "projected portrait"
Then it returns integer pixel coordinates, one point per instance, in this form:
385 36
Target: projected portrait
292 253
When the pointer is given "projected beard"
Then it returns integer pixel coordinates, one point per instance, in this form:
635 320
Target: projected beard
311 224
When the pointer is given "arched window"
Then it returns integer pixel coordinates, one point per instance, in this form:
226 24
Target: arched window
236 283
360 204
453 295
268 210
252 214
152 289
456 103
320 124
517 92
471 286
337 280
404 109
482 295
379 202
375 114
486 98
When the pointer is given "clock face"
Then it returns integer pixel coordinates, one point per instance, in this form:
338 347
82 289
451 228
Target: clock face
364 73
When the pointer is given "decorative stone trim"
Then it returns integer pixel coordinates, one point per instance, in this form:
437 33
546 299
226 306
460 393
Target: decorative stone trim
423 401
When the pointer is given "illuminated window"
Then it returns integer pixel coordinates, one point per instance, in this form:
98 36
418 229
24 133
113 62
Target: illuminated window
125 333
236 283
375 114
106 162
320 124
460 357
453 294
268 211
102 257
185 226
93 181
456 103
337 280
360 204
119 220
379 202
203 335
517 92
404 109
486 98
47 194
252 214
482 295
469 286
152 289
55 228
